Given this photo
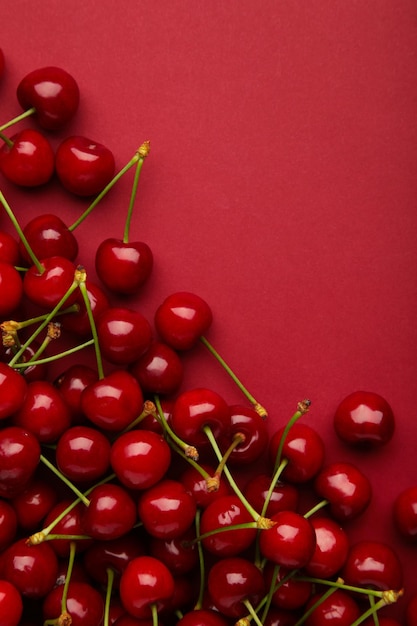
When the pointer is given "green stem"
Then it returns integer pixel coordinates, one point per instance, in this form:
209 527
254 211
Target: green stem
110 581
302 408
71 560
155 619
314 606
133 195
18 118
21 234
9 143
64 479
54 357
256 405
252 613
189 451
317 507
202 566
97 350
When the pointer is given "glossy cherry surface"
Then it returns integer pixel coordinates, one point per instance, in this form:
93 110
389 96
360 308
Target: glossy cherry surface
290 593
124 335
202 617
145 582
232 582
197 485
364 419
178 554
83 453
284 496
346 488
303 449
373 564
69 524
8 524
11 289
31 569
48 236
196 409
46 287
84 603
290 542
167 510
32 505
123 267
29 160
331 550
11 604
19 457
114 554
71 383
159 371
9 248
339 609
182 318
405 513
245 421
110 514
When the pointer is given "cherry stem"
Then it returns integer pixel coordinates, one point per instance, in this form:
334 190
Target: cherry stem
109 589
143 153
252 612
202 565
148 409
65 480
238 438
154 610
314 606
339 584
18 118
256 405
320 505
189 451
302 409
221 529
21 234
9 143
106 189
84 292
71 560
273 483
12 325
376 606
54 357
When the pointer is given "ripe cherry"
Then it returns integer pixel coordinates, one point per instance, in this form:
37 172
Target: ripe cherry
411 611
124 335
48 236
11 289
291 593
83 454
196 483
303 448
114 554
8 524
12 390
339 609
19 457
405 513
123 267
9 249
53 93
182 319
284 496
364 419
47 285
290 542
27 159
83 166
145 583
346 488
11 604
31 569
110 514
196 409
234 582
179 554
373 564
332 547
167 510
84 604
70 524
71 383
33 504
78 322
203 617
158 371
247 422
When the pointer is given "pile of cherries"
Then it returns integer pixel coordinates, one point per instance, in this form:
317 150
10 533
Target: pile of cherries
127 499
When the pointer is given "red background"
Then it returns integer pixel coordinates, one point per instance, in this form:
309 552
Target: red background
281 187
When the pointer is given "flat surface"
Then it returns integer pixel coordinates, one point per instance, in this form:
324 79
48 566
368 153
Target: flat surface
281 187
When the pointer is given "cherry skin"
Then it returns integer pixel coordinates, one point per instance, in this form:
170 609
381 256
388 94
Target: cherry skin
9 249
332 547
31 372
11 289
373 564
8 524
11 604
290 594
78 322
405 513
31 569
114 554
110 514
178 554
197 485
19 457
159 371
339 609
247 422
84 604
33 504
83 454
203 617
84 167
196 409
280 617
303 449
124 335
48 236
182 319
53 92
43 412
346 488
140 458
12 390
29 160
284 497
70 524
364 419
145 582
167 510
47 287
71 383
232 582
290 542
411 611
123 267
112 402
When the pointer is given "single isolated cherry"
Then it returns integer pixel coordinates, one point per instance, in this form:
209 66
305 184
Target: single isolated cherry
27 159
123 267
182 318
364 419
346 488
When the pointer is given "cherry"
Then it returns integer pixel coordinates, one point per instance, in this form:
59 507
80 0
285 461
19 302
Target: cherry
112 402
78 322
145 583
43 412
290 593
203 617
19 457
332 547
178 554
48 236
373 564
303 448
223 512
364 418
346 488
34 502
27 159
110 514
182 319
196 409
411 611
247 422
71 383
167 510
53 93
9 249
11 604
339 608
140 458
234 582
83 166
47 284
114 554
124 335
290 542
197 484
70 524
83 454
283 497
31 569
123 267
158 371
405 513
31 372
84 604
8 524
11 289
280 617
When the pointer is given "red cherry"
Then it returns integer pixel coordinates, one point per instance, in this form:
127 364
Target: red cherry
280 617
112 402
196 409
182 319
123 267
247 422
8 524
339 609
373 564
364 418
83 454
9 249
178 554
11 604
31 372
124 335
31 569
303 449
405 513
34 502
43 412
290 593
79 321
290 542
332 546
83 166
70 524
19 457
53 93
203 617
46 288
233 582
159 370
140 458
11 289
284 496
110 514
145 582
197 485
28 160
48 236
346 488
114 554
382 621
84 604
411 611
167 510
12 391
71 383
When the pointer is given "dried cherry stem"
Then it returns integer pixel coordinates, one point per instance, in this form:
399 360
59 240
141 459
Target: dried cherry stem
18 118
109 589
302 409
143 153
189 451
261 522
137 156
21 234
82 277
256 405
